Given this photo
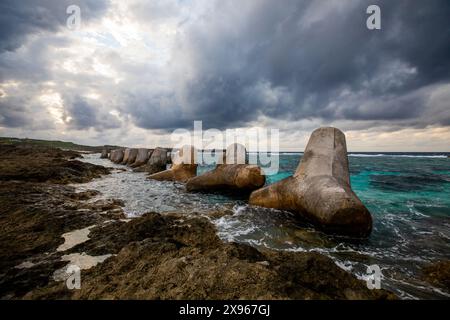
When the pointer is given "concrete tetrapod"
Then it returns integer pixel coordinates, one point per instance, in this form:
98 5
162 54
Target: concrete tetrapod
183 168
320 188
157 161
142 157
105 153
126 155
233 175
117 155
132 156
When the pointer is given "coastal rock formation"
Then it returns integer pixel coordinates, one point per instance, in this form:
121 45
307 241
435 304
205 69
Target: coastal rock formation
172 256
233 175
117 155
155 256
320 188
49 165
183 168
132 156
105 154
438 274
142 157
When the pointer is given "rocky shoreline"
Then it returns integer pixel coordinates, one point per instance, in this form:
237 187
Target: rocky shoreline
154 256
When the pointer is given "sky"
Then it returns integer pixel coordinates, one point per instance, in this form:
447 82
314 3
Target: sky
135 71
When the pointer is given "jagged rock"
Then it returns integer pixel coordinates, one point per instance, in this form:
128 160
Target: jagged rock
142 157
320 188
183 168
176 257
233 175
438 274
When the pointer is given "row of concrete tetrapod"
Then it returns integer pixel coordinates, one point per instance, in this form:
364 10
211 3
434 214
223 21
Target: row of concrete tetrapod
319 190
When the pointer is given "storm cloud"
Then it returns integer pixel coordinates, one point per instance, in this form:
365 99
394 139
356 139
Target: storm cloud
19 19
316 59
160 65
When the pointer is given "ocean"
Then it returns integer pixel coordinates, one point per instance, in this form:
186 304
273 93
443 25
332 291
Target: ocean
408 195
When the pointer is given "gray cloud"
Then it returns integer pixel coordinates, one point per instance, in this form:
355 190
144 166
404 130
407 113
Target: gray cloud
309 61
237 63
18 19
84 114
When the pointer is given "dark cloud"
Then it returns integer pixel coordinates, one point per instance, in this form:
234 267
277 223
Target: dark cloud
301 59
13 116
23 112
18 19
84 114
233 64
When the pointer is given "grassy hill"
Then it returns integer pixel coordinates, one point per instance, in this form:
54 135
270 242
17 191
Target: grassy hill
49 143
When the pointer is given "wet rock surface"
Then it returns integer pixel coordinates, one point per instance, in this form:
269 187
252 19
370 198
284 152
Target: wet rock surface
233 174
155 256
36 208
40 164
170 257
184 166
438 274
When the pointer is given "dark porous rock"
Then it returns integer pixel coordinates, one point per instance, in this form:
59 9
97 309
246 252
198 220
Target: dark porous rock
174 257
183 168
45 165
320 190
33 218
233 175
36 209
438 274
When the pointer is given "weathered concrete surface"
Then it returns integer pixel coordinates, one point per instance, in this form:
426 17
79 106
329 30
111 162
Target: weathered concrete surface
183 168
126 155
105 154
320 189
117 155
157 162
438 274
234 175
132 156
159 157
142 157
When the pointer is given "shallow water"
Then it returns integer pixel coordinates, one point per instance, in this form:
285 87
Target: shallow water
407 194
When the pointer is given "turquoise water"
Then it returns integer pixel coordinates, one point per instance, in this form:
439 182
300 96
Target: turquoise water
408 196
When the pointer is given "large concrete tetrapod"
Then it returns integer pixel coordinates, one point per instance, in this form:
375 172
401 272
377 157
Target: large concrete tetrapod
105 153
184 166
117 155
233 175
142 157
320 188
132 156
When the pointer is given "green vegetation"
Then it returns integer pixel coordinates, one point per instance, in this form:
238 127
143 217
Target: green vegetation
55 144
